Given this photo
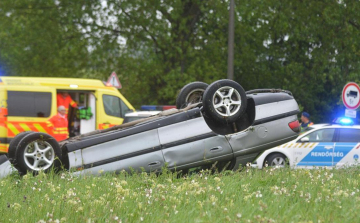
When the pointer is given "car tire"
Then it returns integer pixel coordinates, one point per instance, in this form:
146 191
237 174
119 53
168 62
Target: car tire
190 94
276 160
14 143
224 101
38 151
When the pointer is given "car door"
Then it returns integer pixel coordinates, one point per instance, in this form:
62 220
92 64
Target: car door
347 146
137 152
89 124
315 149
192 143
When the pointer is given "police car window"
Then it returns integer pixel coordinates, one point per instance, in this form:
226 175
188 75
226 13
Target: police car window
112 105
29 104
322 135
307 129
349 135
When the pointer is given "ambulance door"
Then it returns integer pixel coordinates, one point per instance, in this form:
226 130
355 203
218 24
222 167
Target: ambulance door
3 121
315 149
29 109
347 147
89 125
111 110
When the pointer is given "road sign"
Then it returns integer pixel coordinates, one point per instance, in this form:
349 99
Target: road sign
114 81
350 113
351 95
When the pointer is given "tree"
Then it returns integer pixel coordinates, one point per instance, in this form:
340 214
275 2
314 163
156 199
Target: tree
309 47
37 38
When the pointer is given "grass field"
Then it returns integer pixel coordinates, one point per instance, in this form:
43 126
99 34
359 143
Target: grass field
269 195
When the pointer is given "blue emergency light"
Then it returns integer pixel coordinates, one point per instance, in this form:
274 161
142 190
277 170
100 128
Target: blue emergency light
148 107
346 121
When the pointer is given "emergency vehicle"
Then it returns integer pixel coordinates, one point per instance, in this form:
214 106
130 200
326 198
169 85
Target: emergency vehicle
28 102
325 145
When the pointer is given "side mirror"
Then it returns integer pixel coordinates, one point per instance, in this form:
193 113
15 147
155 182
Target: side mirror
305 139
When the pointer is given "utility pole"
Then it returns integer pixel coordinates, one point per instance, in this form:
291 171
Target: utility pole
230 73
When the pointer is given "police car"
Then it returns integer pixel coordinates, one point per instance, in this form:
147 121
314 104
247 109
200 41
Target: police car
324 145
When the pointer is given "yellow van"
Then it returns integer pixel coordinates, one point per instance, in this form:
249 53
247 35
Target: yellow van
28 102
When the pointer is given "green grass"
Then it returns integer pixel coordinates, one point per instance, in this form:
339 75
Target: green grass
269 195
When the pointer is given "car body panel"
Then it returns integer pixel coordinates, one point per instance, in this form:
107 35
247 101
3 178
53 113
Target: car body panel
307 155
75 159
109 151
272 109
183 130
346 153
198 152
262 136
152 161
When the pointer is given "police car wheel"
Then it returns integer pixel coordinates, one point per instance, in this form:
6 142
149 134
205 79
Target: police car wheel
190 94
276 160
224 101
37 151
13 144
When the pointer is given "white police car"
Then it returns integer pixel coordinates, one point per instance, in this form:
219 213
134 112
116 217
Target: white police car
324 145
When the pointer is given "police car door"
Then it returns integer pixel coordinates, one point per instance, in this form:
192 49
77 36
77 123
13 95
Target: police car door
315 149
347 147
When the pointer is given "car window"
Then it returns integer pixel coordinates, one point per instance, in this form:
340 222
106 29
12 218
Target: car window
349 135
29 104
322 135
306 130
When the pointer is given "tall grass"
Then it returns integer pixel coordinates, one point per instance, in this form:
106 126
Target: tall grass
269 195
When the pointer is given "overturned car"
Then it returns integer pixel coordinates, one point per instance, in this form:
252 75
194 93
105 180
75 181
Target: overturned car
218 123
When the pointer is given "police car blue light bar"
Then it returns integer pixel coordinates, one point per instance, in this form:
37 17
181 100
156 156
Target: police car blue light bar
148 107
346 121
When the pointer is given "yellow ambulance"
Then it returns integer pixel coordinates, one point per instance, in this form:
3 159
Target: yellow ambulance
28 102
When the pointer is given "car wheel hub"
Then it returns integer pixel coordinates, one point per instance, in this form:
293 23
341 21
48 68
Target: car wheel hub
39 155
278 162
227 101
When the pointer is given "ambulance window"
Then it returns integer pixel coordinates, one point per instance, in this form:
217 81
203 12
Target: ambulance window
112 105
124 108
29 104
349 135
323 135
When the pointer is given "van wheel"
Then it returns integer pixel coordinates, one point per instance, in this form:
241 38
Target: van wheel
224 101
38 151
13 144
190 94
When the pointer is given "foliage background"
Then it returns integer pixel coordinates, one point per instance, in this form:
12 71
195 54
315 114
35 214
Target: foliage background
309 47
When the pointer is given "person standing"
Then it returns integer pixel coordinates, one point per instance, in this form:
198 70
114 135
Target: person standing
64 99
59 124
305 121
